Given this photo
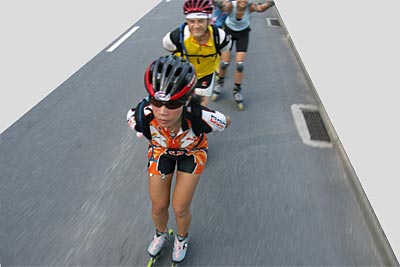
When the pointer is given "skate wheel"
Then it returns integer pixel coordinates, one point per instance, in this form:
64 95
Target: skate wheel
214 97
240 106
151 262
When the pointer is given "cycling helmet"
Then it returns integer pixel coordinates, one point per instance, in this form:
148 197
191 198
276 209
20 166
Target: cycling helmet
170 78
198 7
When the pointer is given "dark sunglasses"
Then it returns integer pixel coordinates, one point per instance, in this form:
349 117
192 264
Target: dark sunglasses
174 104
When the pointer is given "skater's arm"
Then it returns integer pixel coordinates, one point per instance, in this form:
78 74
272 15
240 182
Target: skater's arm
214 121
168 44
130 119
262 7
224 5
228 121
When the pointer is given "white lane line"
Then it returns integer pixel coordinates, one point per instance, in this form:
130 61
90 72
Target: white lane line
122 39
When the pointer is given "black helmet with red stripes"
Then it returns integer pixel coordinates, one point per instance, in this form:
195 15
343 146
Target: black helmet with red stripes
170 78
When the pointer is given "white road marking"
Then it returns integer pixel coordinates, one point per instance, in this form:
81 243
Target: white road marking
122 39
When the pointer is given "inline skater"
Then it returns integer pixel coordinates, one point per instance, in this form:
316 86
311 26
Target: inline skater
175 124
237 24
199 42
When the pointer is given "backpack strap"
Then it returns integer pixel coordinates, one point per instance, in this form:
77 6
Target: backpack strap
216 39
196 119
142 122
182 38
177 38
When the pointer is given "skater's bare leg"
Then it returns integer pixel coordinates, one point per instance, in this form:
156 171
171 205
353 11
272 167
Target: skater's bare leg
205 100
159 190
223 67
225 57
182 198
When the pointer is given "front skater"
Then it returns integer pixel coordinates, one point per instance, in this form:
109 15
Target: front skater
175 124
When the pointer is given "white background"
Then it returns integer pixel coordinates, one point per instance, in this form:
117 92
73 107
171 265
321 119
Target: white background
44 42
350 49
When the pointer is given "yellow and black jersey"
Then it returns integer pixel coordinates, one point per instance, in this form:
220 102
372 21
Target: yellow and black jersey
204 57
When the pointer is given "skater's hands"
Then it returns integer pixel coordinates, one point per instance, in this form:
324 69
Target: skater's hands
271 3
228 121
130 118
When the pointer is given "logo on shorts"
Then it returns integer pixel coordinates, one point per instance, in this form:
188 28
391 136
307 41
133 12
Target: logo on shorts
204 83
175 152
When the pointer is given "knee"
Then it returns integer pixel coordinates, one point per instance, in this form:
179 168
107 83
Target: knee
159 208
223 65
240 66
180 211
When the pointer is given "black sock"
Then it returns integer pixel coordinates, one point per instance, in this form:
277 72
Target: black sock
181 238
159 233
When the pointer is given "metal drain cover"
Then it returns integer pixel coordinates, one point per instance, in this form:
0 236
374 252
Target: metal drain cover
310 125
273 22
315 126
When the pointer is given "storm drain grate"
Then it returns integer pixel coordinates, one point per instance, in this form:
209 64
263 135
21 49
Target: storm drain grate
273 22
316 126
310 125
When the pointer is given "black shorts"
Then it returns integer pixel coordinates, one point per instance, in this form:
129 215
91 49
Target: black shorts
166 163
241 38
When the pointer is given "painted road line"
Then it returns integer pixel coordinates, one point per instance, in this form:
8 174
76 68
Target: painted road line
122 39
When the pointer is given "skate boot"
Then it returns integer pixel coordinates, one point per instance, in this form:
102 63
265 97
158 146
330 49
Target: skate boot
217 89
179 251
156 246
238 97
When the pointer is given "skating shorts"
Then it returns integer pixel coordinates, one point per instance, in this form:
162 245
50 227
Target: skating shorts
241 38
163 161
205 85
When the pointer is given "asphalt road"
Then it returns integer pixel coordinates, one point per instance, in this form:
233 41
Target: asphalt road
73 181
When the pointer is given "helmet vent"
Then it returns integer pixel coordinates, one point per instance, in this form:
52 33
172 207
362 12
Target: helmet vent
273 22
310 126
178 71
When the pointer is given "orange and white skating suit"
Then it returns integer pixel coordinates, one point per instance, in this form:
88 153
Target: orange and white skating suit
183 150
